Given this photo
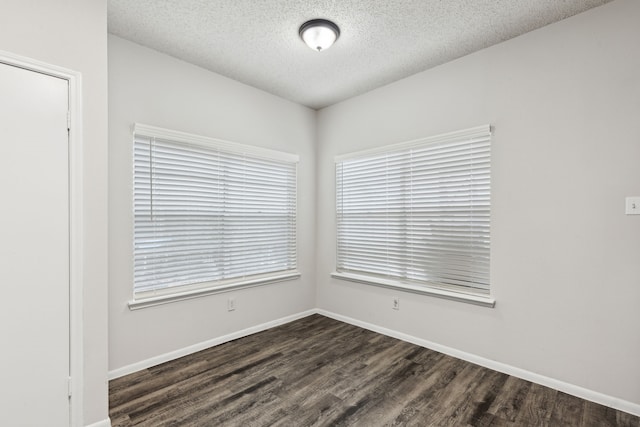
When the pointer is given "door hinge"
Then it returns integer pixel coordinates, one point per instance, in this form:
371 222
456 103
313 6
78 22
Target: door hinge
68 120
69 386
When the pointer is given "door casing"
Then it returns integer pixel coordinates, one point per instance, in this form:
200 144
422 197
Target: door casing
75 223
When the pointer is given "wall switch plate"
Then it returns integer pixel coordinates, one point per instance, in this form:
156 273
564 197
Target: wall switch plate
632 205
396 303
231 304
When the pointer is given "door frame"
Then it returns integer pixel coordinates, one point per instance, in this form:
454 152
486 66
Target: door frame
74 79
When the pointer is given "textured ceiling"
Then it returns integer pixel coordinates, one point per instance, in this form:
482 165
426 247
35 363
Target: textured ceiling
256 41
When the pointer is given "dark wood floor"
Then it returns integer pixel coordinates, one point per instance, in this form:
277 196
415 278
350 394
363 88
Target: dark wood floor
321 372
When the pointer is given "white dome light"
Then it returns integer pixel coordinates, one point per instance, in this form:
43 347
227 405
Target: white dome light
319 34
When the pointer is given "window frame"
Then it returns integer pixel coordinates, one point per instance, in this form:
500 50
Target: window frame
167 294
453 292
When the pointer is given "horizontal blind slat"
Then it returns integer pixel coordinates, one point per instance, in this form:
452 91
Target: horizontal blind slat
418 214
209 214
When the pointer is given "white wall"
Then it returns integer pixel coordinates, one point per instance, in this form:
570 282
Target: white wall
73 34
565 260
151 88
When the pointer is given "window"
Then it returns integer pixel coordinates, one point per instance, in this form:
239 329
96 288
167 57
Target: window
416 216
209 215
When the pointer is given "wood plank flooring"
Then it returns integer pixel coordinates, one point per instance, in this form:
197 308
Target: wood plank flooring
317 371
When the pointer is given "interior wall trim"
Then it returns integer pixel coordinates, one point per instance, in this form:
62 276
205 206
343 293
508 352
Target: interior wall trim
172 355
574 390
103 423
76 222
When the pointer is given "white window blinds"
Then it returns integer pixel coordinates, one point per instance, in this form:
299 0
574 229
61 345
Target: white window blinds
418 213
210 211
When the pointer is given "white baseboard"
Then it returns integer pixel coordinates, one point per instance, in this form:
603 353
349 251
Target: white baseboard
103 423
581 392
145 364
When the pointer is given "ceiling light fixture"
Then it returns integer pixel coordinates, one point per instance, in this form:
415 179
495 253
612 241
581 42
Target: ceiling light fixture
319 34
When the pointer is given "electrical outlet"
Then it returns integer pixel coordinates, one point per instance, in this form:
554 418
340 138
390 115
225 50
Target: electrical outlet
396 303
231 304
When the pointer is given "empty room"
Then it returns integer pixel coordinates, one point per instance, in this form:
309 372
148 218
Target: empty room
288 213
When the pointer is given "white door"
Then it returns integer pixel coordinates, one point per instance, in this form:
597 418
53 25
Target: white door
34 249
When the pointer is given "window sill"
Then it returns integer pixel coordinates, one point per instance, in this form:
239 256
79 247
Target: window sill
482 300
181 295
